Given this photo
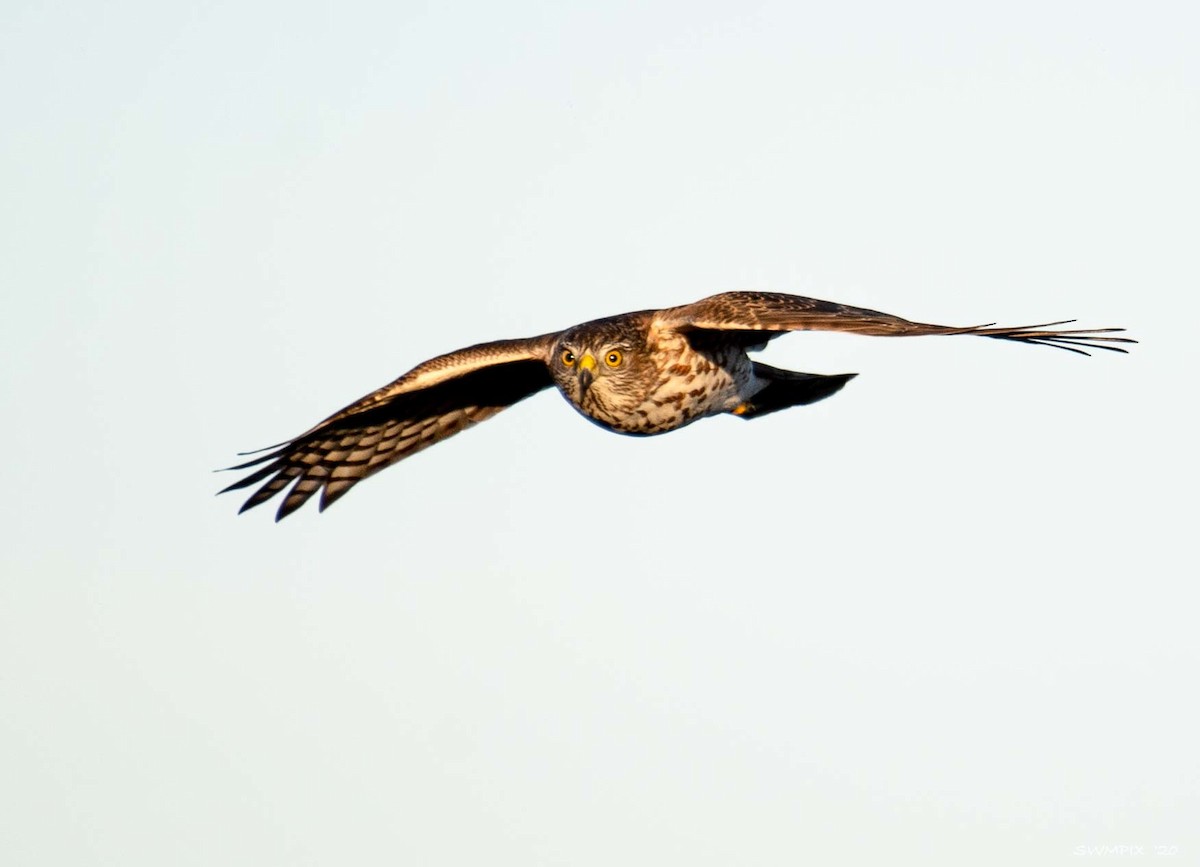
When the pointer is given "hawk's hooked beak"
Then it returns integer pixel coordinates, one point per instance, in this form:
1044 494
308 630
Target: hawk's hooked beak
586 365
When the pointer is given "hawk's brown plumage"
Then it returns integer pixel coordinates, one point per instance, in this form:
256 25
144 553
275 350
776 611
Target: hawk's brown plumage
638 373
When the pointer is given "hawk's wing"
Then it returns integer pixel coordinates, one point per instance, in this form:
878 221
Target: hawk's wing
432 401
773 313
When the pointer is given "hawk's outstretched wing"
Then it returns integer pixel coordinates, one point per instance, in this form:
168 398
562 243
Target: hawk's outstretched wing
432 401
769 312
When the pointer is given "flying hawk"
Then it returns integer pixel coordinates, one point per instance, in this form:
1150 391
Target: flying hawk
639 373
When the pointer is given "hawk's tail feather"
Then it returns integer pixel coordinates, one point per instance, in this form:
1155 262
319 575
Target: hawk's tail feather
788 388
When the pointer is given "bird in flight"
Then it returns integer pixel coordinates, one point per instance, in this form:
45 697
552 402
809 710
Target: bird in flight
639 373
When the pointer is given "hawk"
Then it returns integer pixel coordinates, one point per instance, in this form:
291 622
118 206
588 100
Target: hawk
639 373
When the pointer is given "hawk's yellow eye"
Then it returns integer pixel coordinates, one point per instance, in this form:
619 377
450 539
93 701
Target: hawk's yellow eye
613 359
568 357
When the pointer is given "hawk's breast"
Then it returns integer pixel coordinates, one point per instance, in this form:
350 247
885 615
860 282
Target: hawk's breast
679 385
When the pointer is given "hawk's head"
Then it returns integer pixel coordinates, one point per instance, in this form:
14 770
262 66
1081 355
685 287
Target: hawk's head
603 370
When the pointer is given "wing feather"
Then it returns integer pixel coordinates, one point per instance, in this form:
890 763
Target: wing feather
757 312
433 401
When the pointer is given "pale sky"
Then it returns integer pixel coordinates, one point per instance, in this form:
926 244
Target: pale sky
945 617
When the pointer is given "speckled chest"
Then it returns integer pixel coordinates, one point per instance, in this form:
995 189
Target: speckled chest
682 383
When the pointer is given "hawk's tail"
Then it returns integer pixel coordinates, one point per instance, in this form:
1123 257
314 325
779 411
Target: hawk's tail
787 388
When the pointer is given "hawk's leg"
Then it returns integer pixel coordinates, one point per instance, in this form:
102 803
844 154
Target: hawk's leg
787 388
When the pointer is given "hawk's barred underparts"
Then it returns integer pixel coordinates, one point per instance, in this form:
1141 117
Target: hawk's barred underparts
637 373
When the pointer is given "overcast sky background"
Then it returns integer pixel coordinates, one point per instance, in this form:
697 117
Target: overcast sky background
948 615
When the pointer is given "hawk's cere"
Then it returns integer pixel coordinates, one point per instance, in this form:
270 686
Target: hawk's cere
637 373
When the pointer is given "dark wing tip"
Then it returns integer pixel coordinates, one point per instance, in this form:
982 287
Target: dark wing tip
333 491
1077 340
290 504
